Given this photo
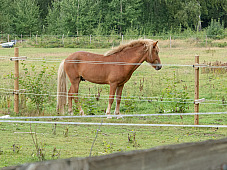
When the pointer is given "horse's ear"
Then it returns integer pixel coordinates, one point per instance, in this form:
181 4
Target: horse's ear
155 44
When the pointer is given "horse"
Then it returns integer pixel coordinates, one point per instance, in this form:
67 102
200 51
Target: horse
115 68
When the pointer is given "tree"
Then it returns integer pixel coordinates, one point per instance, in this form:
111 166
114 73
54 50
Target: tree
26 17
54 23
188 15
122 15
6 14
63 17
213 9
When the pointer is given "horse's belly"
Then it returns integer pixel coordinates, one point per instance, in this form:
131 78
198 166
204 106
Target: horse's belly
105 75
97 78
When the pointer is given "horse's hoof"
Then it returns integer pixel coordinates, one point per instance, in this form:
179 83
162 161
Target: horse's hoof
119 117
82 113
109 117
71 113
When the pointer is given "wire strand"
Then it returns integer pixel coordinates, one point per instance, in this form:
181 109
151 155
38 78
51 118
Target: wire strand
104 116
113 124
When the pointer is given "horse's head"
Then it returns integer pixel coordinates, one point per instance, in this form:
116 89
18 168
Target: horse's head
153 57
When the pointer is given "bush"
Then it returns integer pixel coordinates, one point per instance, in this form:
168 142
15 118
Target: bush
216 30
37 84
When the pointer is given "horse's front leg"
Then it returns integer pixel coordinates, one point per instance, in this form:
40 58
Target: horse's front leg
118 100
113 88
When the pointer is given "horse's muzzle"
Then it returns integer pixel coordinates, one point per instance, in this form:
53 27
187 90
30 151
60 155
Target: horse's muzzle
158 67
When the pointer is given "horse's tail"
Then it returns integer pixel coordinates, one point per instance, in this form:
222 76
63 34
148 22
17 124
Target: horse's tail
62 89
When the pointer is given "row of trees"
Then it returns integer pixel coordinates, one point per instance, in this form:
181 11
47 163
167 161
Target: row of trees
102 17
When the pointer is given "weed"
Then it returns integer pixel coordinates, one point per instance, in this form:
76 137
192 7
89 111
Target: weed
55 154
54 129
16 148
214 70
66 132
90 106
1 151
129 104
132 140
108 147
40 151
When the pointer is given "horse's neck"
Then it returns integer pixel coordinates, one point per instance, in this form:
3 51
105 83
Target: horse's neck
133 55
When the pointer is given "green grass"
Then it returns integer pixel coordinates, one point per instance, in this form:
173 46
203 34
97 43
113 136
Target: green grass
169 82
80 138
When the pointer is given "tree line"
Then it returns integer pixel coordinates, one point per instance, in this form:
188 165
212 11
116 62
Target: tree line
106 17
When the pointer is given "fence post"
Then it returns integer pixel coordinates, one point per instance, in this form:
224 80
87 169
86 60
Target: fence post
196 105
170 41
16 81
36 37
90 39
122 38
63 39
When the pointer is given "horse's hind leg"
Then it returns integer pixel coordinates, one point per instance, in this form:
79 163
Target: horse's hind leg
118 99
73 94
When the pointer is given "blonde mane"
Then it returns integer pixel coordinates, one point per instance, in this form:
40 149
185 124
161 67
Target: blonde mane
148 43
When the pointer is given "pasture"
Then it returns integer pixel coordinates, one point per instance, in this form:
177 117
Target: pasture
168 90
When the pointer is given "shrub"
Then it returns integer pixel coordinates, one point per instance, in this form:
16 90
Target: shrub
37 83
215 30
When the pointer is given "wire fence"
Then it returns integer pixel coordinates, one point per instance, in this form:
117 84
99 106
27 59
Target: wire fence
127 98
136 97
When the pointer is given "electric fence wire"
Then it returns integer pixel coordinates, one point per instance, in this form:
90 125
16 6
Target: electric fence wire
4 57
119 63
126 98
156 99
112 124
105 116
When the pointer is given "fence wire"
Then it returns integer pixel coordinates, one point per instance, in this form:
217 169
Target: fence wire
125 98
121 63
112 124
106 116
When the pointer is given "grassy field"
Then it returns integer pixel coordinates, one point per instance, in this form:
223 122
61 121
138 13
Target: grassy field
168 86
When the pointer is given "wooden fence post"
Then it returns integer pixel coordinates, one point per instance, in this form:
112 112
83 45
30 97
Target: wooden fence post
63 39
170 42
196 105
16 81
90 39
36 39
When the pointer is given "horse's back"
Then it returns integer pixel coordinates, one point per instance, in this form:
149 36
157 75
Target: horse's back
84 56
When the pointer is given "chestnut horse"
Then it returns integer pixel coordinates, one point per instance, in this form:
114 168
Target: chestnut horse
114 68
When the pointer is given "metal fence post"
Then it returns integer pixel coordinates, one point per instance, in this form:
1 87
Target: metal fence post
16 81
